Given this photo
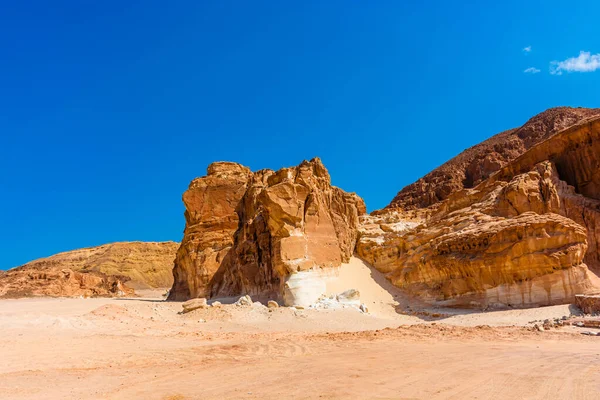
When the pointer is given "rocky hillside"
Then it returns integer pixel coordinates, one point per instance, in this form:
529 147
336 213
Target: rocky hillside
477 163
54 281
524 236
267 232
97 271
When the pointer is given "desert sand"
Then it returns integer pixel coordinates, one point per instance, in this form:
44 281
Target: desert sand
143 348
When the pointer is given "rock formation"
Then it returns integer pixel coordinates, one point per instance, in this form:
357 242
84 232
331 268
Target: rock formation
54 281
94 271
523 236
267 232
477 163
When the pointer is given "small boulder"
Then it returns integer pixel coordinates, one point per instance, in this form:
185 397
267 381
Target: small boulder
272 304
364 308
216 304
244 301
194 304
350 296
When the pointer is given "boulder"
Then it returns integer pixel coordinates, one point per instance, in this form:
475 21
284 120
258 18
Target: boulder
194 304
349 296
588 304
244 301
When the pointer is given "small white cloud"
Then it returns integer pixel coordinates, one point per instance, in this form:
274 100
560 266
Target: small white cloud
527 49
584 62
531 70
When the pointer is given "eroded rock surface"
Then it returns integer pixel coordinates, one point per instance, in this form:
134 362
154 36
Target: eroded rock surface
524 236
259 233
479 162
108 270
54 281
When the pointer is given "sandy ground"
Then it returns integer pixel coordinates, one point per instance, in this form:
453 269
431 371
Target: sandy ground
142 348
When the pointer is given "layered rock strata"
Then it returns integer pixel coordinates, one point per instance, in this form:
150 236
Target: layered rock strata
269 233
479 162
523 237
113 269
143 264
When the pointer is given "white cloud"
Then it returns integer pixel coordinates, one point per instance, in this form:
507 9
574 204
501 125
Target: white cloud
531 70
527 49
585 62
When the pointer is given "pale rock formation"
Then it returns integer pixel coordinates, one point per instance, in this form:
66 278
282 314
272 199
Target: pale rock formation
244 301
264 233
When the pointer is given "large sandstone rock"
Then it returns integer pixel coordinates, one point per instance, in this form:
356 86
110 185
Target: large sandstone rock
265 232
525 236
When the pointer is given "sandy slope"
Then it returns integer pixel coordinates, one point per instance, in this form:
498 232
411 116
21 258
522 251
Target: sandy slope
142 348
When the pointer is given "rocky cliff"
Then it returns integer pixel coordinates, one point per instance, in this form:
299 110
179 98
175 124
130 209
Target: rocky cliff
267 232
477 163
94 271
523 236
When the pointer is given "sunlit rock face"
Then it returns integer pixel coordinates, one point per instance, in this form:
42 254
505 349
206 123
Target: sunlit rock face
112 269
525 236
250 233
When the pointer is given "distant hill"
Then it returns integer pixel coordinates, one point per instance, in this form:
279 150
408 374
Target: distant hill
97 270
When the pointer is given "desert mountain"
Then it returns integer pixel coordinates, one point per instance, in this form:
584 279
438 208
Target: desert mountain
513 221
477 163
107 270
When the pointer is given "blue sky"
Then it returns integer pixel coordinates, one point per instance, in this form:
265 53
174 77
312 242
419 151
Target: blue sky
109 108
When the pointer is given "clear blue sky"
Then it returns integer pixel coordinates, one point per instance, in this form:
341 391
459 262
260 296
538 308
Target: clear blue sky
109 108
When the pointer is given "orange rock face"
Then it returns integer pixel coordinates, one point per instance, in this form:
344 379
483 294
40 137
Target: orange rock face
29 281
477 163
247 233
525 236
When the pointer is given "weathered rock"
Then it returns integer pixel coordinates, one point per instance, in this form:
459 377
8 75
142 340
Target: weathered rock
55 281
479 162
258 233
211 222
588 304
216 304
517 239
142 265
194 304
244 301
350 295
272 304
